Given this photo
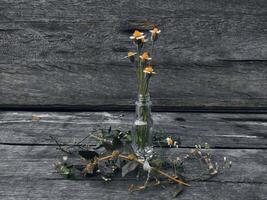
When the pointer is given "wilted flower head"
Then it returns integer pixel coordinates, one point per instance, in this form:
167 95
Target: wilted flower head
137 35
131 55
169 141
145 57
149 70
154 33
138 38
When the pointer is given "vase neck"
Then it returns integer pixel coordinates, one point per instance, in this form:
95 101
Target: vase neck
144 98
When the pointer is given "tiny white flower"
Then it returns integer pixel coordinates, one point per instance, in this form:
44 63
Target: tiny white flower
224 159
65 158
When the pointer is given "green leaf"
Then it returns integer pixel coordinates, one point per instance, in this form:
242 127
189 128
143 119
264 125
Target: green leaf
88 155
129 167
65 170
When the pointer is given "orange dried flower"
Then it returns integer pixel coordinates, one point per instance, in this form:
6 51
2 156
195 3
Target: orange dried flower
154 33
115 154
149 70
130 54
145 57
89 168
131 157
169 141
137 35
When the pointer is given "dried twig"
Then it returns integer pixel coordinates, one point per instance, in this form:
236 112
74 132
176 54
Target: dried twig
142 163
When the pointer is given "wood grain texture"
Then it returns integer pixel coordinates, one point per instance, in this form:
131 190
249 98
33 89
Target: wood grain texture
69 53
249 166
26 154
32 189
28 171
218 129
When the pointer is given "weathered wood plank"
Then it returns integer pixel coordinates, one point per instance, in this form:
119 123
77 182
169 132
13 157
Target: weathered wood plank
59 10
249 166
65 53
218 129
35 188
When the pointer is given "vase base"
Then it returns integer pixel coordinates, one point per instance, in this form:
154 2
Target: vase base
144 154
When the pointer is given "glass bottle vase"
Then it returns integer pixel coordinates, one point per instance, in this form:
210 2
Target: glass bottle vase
142 134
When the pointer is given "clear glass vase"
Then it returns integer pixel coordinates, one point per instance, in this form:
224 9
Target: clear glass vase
142 134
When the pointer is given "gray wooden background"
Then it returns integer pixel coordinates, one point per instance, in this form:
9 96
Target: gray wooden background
68 53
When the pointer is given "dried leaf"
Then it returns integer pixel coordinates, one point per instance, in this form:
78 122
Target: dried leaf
129 167
105 168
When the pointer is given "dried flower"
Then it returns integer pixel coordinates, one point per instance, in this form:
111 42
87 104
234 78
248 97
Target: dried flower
65 158
131 156
115 154
137 35
145 57
149 70
154 33
89 168
138 38
131 55
169 141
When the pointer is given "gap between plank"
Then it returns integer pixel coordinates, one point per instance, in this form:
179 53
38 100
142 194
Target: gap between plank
180 147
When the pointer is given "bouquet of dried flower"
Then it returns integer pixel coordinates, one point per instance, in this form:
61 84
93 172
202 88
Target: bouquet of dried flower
142 133
114 155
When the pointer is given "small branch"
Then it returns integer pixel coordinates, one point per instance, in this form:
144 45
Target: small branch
142 163
158 171
105 158
59 145
99 138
